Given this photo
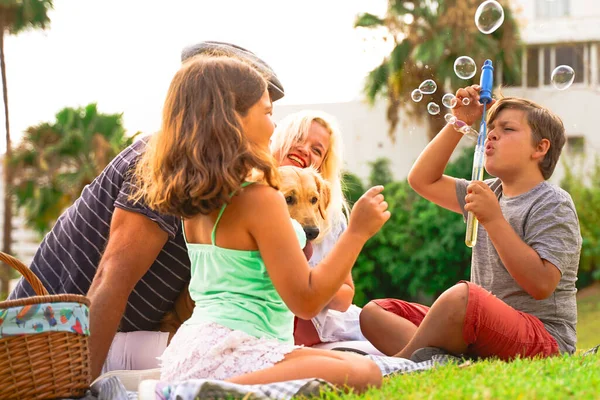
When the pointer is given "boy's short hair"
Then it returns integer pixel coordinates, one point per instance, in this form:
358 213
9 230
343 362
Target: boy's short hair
544 124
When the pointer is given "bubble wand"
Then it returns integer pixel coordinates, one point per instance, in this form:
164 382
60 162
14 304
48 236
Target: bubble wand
485 96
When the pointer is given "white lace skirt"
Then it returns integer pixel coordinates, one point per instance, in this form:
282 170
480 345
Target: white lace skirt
212 351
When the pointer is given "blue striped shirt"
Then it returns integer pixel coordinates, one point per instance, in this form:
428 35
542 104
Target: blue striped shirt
70 253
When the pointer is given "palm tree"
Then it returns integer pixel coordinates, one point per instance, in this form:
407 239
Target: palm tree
56 161
15 16
428 37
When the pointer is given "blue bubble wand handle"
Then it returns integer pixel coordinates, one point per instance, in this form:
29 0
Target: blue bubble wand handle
485 97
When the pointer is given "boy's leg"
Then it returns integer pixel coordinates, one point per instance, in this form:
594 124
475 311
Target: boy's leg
469 319
495 329
443 325
337 367
389 324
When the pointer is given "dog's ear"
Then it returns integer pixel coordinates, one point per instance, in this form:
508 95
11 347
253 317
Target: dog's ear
324 189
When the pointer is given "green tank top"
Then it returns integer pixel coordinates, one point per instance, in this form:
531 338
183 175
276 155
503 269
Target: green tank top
232 288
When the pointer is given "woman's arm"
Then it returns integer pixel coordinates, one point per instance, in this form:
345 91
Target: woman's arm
343 298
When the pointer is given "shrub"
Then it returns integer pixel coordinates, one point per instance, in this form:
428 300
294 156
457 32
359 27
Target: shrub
585 191
420 252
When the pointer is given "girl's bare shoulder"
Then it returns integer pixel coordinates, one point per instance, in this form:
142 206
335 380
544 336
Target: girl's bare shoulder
260 199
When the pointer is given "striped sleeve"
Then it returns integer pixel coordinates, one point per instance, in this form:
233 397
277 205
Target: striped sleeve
169 224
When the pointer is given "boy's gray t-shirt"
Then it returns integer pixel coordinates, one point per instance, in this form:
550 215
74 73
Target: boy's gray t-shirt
546 220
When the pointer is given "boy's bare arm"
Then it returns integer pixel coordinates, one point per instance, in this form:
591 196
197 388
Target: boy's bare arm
427 177
536 276
427 174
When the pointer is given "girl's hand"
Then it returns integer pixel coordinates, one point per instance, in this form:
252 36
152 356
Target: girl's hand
369 213
472 112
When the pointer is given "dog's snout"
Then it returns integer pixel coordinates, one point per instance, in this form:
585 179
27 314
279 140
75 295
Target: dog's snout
311 232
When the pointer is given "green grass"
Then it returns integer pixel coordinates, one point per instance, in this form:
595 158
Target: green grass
588 324
565 377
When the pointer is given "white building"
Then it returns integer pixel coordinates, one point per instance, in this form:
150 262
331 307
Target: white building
555 32
564 32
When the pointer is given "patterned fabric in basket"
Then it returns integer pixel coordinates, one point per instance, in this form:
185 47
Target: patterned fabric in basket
45 317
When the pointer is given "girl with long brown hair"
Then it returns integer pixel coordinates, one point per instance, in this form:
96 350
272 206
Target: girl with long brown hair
210 165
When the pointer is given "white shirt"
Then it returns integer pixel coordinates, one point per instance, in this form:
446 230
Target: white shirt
332 325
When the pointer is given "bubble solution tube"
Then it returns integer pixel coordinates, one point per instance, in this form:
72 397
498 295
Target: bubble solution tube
485 97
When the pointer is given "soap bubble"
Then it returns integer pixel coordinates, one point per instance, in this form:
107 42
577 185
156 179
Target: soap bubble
465 129
458 124
416 95
562 77
428 87
465 67
433 108
466 101
449 100
451 119
489 16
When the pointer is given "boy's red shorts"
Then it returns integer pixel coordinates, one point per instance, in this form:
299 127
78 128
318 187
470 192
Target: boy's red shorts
492 327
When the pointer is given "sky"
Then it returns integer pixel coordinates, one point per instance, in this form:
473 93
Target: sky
123 54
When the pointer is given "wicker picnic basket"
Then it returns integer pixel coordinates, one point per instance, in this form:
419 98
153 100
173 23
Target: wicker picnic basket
44 365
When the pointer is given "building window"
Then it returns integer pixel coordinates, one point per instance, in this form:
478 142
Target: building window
571 55
547 65
533 74
575 144
552 9
579 56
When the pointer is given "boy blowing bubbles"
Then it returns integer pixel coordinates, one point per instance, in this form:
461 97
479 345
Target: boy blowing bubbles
521 296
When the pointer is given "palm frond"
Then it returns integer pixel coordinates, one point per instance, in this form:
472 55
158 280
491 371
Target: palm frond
367 20
56 160
376 82
29 14
400 55
440 31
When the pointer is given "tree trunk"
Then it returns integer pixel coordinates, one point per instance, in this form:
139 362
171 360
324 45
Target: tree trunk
5 270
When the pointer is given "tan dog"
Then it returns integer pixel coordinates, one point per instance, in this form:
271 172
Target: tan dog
307 195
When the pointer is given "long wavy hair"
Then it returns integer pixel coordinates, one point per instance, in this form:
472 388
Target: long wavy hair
292 130
201 154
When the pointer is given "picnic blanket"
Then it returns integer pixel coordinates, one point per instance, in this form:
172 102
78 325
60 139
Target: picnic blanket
112 388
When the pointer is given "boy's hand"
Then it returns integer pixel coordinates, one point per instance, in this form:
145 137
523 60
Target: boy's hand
482 202
472 112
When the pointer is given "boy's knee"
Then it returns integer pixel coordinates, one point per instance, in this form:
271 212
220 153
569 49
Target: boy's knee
369 310
368 315
456 298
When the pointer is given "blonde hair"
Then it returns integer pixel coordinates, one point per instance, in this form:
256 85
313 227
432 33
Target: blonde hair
544 124
294 129
201 154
